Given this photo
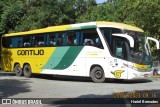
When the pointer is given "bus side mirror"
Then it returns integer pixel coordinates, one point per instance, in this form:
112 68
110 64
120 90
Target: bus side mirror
130 39
154 40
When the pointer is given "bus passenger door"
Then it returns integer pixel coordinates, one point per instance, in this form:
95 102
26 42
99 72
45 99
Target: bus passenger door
117 68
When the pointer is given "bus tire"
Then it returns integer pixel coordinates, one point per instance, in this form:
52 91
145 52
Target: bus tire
27 70
97 74
18 70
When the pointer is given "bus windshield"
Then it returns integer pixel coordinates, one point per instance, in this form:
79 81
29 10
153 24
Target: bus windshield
140 53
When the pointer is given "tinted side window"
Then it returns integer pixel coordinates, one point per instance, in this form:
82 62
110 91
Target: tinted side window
61 39
57 39
12 42
6 42
51 39
90 37
27 41
119 48
107 32
39 40
71 38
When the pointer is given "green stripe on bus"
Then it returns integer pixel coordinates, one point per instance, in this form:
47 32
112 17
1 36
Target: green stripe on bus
88 27
69 57
82 27
56 57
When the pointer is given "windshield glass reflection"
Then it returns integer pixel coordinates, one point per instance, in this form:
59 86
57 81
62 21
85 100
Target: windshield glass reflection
141 49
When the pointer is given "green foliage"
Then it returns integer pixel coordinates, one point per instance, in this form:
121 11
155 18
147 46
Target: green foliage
100 12
11 16
23 15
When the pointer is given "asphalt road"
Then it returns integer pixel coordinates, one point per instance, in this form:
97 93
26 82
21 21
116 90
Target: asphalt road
66 88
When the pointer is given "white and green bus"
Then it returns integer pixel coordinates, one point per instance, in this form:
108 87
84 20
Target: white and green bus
95 49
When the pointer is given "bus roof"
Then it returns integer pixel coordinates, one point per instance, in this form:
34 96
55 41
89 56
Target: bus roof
119 25
77 26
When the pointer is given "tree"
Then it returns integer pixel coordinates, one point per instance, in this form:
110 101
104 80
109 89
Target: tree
32 14
12 13
112 10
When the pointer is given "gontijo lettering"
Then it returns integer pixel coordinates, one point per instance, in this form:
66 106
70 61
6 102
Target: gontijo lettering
30 52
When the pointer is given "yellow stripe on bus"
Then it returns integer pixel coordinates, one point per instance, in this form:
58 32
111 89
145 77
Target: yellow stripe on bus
43 30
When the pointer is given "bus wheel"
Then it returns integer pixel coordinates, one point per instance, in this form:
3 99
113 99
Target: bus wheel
27 71
18 70
97 74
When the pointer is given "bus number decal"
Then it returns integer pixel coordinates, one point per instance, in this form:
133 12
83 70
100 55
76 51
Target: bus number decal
30 52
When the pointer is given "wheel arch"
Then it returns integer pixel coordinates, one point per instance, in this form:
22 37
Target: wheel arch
18 69
27 71
26 64
15 65
97 73
94 65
